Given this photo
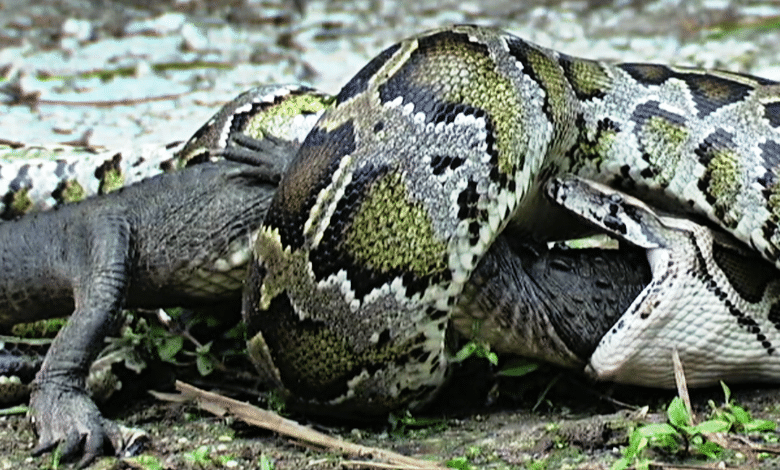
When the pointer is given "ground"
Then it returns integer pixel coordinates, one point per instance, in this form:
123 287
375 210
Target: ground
549 420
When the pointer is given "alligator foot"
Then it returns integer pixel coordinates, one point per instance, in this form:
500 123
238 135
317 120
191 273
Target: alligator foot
65 416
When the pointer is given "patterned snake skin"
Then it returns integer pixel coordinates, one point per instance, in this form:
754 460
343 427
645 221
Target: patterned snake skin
447 139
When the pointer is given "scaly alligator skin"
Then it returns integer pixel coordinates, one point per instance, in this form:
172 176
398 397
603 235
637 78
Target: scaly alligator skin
175 240
184 250
551 304
436 146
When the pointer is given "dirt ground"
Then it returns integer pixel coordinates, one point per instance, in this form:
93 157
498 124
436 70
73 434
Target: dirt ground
552 419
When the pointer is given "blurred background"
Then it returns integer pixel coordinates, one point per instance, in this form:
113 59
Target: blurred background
127 72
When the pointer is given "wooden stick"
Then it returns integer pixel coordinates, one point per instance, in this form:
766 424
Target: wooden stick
220 405
682 385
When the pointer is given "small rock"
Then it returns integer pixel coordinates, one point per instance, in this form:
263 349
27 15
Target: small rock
164 24
80 30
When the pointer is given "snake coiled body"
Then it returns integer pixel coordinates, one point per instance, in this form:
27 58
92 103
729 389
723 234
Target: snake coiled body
447 139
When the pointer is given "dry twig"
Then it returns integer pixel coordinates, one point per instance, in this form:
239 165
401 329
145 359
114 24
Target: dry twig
380 458
682 385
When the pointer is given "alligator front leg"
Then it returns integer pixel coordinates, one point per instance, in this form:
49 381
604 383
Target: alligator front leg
85 260
180 239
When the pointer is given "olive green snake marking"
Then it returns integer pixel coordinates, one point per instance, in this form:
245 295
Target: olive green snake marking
446 140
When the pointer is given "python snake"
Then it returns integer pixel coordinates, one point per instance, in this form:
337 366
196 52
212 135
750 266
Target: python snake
449 138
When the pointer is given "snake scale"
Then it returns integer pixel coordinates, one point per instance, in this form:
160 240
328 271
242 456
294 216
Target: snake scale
451 137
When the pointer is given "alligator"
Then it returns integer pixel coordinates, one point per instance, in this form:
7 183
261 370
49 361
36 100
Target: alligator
179 239
183 239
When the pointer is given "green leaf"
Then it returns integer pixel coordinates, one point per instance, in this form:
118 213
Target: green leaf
266 463
210 321
518 371
14 410
726 391
759 425
712 425
237 332
465 352
169 347
710 449
460 463
742 416
656 430
491 357
158 331
205 364
660 435
480 350
637 442
199 455
146 462
621 464
174 312
204 349
678 414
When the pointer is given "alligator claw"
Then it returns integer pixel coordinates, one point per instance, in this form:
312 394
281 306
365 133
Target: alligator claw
67 417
